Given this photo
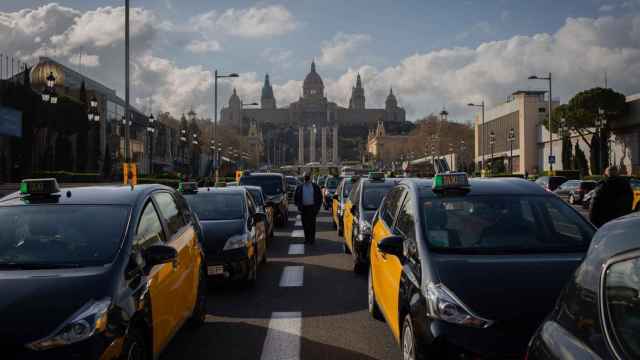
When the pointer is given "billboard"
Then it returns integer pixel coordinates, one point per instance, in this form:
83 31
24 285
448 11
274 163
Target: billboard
10 122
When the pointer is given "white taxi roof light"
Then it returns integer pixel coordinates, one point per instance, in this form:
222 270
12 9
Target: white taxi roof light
39 186
376 175
188 187
450 181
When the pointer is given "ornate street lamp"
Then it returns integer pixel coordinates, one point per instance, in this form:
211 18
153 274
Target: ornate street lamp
151 130
492 142
511 139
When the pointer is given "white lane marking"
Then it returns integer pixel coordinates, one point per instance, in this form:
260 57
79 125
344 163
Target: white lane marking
292 276
298 222
296 249
283 337
299 233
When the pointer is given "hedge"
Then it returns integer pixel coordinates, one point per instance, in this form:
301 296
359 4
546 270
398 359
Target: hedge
69 177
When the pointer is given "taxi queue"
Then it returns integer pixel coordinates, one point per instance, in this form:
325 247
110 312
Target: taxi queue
458 268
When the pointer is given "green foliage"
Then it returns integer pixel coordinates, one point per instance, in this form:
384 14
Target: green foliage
498 167
567 153
68 177
582 110
580 161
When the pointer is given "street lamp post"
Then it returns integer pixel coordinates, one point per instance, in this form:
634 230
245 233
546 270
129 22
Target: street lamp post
511 138
482 148
463 148
183 145
94 119
492 141
548 78
151 129
215 110
451 157
601 123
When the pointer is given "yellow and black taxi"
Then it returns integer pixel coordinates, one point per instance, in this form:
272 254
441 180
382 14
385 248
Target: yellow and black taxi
97 272
274 187
339 197
468 268
635 186
359 209
233 231
598 314
263 207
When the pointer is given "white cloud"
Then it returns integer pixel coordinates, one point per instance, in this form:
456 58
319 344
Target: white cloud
338 50
253 22
607 7
281 57
204 46
85 60
479 28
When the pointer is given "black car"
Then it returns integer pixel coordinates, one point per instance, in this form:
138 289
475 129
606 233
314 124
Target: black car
576 195
234 234
598 314
330 185
92 272
274 187
263 207
467 269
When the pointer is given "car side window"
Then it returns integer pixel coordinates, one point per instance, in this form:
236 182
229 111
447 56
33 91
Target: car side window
184 208
250 204
391 203
406 220
170 212
622 305
149 231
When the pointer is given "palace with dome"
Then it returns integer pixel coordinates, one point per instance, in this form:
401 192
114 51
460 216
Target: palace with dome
311 129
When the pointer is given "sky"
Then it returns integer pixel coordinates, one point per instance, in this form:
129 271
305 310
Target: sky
434 54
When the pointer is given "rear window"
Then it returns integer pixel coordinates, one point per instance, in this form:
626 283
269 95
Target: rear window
210 207
505 224
257 197
271 185
373 195
332 182
556 181
588 185
292 181
346 189
50 236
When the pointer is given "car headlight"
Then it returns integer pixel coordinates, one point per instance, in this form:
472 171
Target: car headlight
89 320
236 242
444 305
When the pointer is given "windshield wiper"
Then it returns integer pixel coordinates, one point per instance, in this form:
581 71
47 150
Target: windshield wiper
36 266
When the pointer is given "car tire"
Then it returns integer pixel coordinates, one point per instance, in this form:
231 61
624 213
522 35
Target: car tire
135 346
374 310
200 309
410 347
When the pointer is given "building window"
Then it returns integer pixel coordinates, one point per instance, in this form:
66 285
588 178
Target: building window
541 109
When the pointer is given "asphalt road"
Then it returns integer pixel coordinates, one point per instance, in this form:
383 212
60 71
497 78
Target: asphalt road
308 306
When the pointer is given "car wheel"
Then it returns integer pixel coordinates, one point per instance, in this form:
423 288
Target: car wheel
135 346
410 348
374 310
200 309
572 200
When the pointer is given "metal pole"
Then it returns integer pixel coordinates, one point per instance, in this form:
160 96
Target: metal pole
483 140
126 91
550 132
215 121
511 158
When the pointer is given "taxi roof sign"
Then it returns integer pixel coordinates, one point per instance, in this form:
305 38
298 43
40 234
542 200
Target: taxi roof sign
188 187
39 186
451 181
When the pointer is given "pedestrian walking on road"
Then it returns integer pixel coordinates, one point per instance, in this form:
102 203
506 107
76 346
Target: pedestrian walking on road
613 198
308 199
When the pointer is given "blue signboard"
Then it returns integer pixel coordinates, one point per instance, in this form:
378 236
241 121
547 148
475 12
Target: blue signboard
552 159
10 122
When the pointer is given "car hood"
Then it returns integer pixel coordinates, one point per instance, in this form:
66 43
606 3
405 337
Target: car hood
515 291
34 303
216 233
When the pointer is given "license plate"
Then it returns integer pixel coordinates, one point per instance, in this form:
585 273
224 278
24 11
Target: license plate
215 270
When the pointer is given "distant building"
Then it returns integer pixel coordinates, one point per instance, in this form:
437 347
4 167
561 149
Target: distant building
384 149
289 133
523 112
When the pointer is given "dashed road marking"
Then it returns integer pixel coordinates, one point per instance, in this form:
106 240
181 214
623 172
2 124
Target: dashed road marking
299 233
296 249
283 337
292 276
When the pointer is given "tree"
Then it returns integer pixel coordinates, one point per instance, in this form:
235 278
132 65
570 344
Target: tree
567 156
581 114
580 160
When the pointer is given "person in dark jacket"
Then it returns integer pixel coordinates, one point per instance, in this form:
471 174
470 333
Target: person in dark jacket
612 199
308 199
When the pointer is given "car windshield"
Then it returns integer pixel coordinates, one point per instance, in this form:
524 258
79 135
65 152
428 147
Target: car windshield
347 188
50 236
257 196
332 182
373 195
292 181
503 224
271 185
211 207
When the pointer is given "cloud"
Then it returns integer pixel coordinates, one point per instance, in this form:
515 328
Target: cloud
281 57
479 28
338 50
607 8
85 60
204 46
253 22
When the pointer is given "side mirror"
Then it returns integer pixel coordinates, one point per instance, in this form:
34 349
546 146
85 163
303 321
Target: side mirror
159 254
391 245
